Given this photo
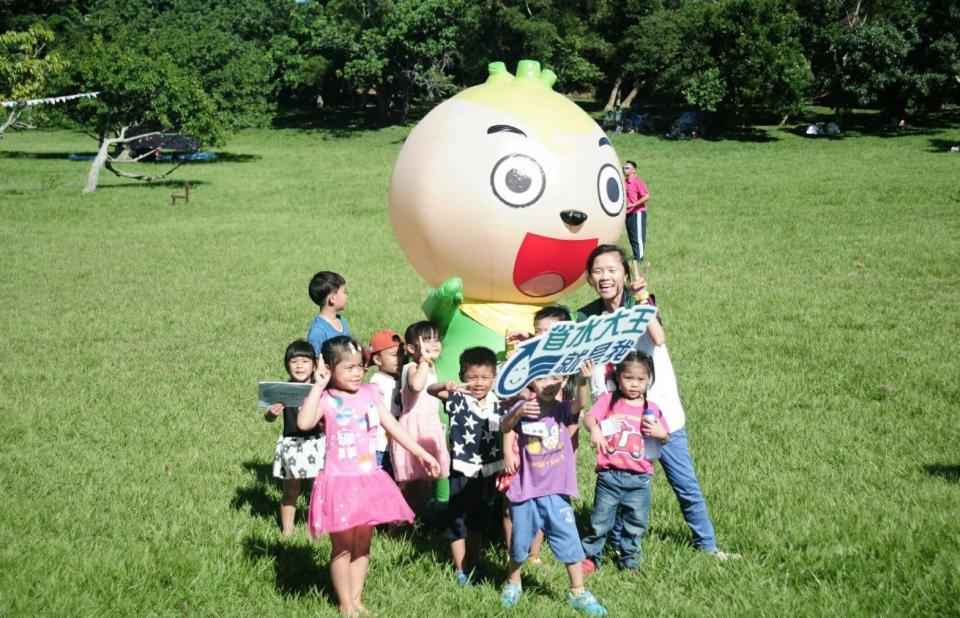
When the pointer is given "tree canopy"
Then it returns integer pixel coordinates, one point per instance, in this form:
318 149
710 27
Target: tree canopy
211 67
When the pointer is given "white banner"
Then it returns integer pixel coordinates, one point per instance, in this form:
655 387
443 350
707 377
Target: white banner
51 100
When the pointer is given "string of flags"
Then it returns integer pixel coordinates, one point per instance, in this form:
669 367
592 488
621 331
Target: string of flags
50 100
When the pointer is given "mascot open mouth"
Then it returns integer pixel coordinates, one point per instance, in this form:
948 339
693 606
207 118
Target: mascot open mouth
546 266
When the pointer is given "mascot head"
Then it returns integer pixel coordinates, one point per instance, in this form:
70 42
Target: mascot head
509 186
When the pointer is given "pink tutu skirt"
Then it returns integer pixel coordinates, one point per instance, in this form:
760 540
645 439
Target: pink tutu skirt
343 501
428 432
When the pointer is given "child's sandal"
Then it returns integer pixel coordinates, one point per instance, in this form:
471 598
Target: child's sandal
510 595
586 602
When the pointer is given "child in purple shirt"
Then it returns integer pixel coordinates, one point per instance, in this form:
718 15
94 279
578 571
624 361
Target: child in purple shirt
540 494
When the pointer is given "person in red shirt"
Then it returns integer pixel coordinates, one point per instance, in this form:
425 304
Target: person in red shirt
637 196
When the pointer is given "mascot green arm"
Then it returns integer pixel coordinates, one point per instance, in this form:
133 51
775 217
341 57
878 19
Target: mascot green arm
442 307
442 303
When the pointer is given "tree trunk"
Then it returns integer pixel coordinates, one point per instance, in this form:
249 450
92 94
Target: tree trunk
614 95
103 159
628 101
405 107
12 118
94 175
382 100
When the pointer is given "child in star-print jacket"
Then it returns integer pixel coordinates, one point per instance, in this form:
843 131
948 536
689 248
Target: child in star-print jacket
475 455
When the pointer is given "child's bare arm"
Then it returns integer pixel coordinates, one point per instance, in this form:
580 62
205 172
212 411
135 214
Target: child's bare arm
273 412
582 399
650 426
510 463
597 441
528 408
417 376
443 391
311 412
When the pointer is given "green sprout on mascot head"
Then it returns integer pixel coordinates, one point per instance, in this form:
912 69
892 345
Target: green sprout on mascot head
497 198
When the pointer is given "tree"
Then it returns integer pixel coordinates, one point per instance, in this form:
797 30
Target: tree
748 58
143 92
902 56
560 35
27 66
641 38
404 49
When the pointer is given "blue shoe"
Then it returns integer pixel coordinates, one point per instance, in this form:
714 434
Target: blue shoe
510 595
463 579
586 602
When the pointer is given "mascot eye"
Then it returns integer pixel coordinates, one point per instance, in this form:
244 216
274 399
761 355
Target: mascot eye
518 180
610 190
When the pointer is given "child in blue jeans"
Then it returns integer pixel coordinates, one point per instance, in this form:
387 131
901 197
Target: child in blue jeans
619 430
540 494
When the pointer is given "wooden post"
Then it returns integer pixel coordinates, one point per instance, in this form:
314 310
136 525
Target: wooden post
185 197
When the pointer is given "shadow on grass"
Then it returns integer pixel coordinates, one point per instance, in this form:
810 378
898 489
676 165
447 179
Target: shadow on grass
943 145
678 535
222 157
339 121
950 473
872 123
257 497
140 184
296 570
741 134
426 537
21 154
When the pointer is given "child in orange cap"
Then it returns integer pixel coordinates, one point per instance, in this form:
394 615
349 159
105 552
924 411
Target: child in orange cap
385 355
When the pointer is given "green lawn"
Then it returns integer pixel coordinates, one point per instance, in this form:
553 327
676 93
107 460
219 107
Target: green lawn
810 296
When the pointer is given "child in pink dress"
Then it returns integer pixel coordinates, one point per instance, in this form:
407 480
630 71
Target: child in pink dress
420 416
352 494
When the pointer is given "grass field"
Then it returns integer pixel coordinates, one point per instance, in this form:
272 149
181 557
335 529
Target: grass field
810 290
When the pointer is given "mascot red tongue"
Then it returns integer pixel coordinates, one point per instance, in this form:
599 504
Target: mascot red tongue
547 266
497 197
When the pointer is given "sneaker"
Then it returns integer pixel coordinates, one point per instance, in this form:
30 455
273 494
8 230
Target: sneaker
463 579
723 556
586 602
510 595
588 566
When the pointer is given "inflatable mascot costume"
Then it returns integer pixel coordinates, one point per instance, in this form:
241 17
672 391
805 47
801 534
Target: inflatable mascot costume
497 197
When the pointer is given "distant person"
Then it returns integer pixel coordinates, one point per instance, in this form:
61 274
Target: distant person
352 494
608 122
299 454
328 291
637 197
